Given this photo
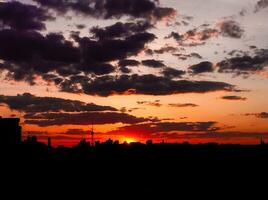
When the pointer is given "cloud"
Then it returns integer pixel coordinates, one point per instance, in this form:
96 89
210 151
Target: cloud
125 70
198 36
261 5
29 103
85 118
262 115
27 54
155 103
230 28
154 130
182 56
80 26
125 64
27 46
234 98
182 105
144 84
128 62
202 67
113 49
245 65
22 16
153 63
108 9
166 49
194 37
119 30
172 73
175 36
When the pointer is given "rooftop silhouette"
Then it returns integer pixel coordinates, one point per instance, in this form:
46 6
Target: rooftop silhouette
10 131
85 151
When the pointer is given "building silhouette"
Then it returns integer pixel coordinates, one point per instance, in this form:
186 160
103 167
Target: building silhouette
10 131
262 142
49 142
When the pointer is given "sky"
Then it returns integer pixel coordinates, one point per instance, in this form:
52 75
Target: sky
166 70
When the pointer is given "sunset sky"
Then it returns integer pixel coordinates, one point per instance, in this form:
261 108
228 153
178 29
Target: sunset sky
172 70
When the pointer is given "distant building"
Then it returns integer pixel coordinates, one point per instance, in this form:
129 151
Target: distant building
262 141
10 131
49 143
149 142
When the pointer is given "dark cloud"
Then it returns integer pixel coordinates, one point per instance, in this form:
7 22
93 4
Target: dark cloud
113 49
262 115
182 105
230 28
119 30
30 46
154 130
175 36
153 63
142 102
261 4
172 73
22 16
194 37
155 103
202 67
237 53
245 65
99 69
128 62
125 70
29 103
200 35
27 54
165 49
147 85
182 56
85 118
147 9
80 26
234 98
149 52
125 64
227 28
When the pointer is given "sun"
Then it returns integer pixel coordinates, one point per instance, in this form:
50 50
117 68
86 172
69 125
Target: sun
130 140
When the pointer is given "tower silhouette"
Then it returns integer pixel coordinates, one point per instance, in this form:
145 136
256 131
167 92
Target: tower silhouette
262 141
49 143
92 136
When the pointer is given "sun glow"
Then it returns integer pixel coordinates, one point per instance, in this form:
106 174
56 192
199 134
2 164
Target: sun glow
130 140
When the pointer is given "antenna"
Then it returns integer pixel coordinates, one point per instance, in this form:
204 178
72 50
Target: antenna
262 141
92 136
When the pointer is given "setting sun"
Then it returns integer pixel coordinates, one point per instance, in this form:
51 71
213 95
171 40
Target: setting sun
130 140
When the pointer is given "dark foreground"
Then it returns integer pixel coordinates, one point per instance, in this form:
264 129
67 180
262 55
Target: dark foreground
110 168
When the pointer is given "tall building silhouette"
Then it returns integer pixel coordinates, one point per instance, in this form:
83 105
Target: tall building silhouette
10 131
262 141
49 143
